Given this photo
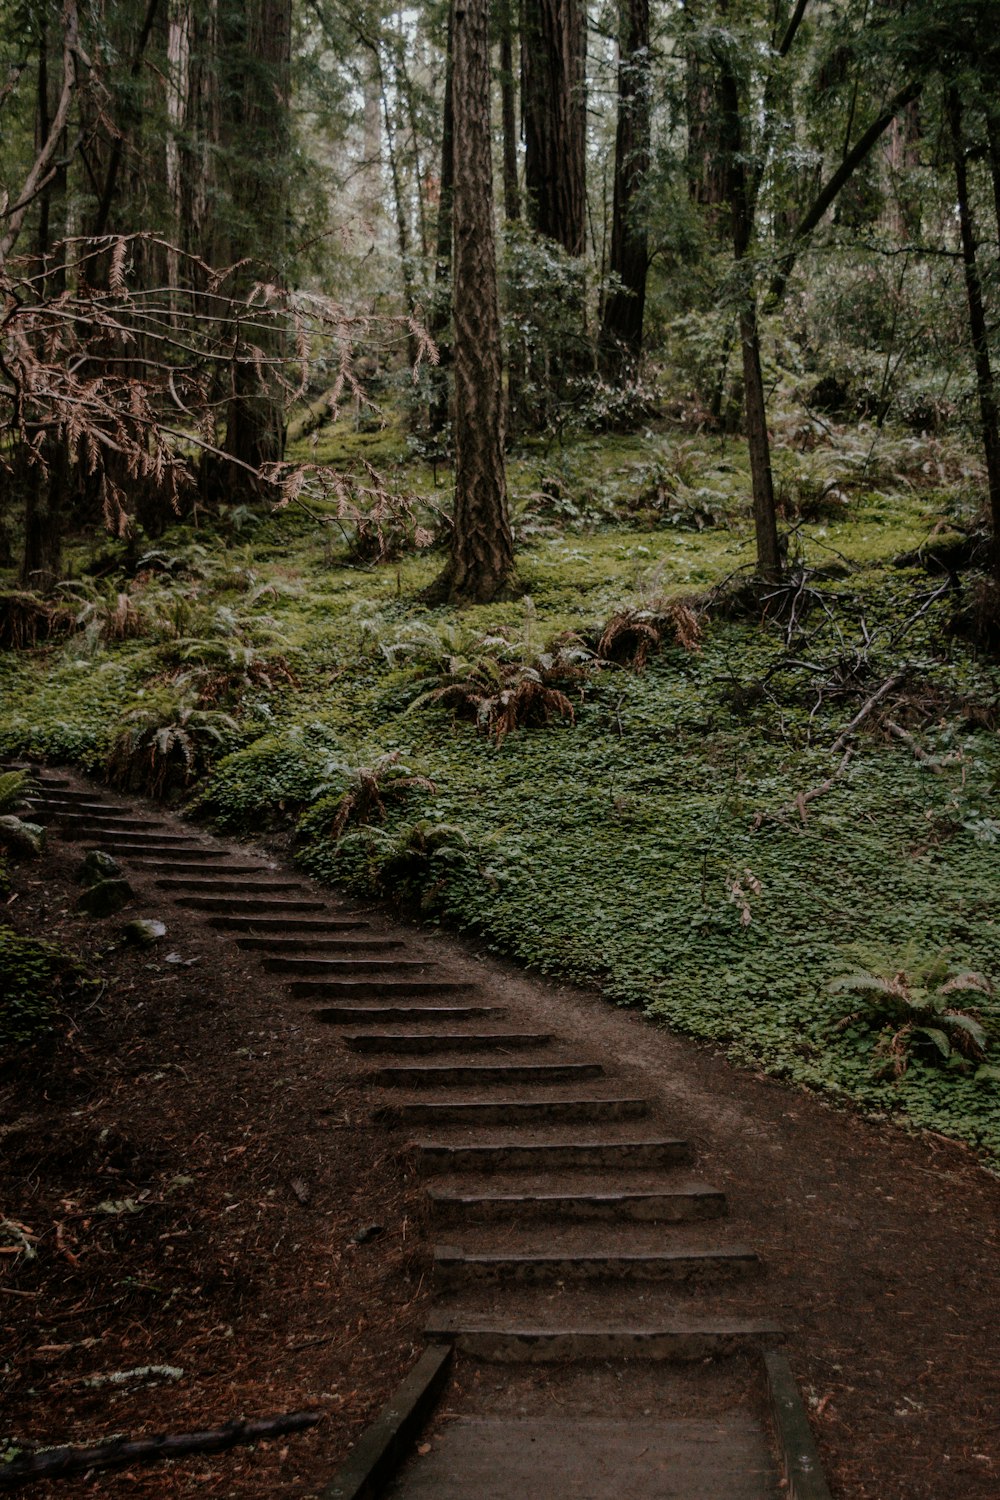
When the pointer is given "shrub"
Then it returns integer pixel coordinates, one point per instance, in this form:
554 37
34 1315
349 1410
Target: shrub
35 980
915 1018
164 744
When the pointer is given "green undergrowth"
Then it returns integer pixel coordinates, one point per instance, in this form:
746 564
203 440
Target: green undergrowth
655 844
38 981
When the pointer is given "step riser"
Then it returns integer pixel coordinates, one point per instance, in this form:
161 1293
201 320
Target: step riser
653 1210
386 1015
452 1273
622 1157
540 1347
223 884
444 1043
348 989
331 968
89 812
75 825
248 906
462 1076
260 925
150 852
168 866
333 944
540 1112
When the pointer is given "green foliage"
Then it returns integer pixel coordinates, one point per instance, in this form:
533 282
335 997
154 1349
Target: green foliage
360 793
36 980
164 743
15 788
915 1016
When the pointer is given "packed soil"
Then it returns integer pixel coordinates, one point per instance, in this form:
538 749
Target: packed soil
238 1134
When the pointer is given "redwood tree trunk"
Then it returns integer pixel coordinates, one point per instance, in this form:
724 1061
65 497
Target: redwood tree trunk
988 414
553 102
621 330
256 65
482 549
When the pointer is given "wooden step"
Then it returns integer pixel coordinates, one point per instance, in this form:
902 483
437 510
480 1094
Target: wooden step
682 1340
665 1205
261 924
246 905
518 1113
225 882
441 1041
321 968
336 944
456 1075
381 1015
128 849
457 1268
168 866
439 1156
355 989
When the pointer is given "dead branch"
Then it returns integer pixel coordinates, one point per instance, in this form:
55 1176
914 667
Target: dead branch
803 800
919 752
42 162
865 710
58 1463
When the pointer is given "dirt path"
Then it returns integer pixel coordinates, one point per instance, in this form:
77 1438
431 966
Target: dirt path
261 1274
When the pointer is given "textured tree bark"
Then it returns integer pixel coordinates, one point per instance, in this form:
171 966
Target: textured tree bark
256 63
508 113
978 329
741 217
482 548
553 103
621 329
438 412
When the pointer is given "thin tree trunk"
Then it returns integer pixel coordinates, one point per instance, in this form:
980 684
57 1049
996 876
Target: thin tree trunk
993 136
508 114
402 223
978 329
482 548
438 412
621 330
741 216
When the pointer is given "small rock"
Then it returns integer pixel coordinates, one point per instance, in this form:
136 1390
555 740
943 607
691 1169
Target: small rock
366 1233
143 931
301 1190
95 866
21 837
106 897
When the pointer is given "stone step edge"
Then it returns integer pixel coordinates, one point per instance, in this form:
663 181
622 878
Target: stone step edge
532 1345
452 1264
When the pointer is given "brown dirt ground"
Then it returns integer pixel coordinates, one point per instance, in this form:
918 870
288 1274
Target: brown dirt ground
881 1247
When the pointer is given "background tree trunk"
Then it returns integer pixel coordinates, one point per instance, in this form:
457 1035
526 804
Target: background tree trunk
482 548
553 103
978 329
438 413
621 331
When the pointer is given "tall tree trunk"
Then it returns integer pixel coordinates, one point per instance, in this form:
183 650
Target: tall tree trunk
482 548
402 219
741 223
993 137
438 412
978 330
508 114
553 102
256 44
621 331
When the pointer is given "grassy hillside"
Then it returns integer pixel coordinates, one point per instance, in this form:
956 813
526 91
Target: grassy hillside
656 835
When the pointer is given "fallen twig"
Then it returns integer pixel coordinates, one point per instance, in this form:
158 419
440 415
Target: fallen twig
802 801
865 710
919 752
57 1463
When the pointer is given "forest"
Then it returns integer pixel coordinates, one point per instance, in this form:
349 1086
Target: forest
543 460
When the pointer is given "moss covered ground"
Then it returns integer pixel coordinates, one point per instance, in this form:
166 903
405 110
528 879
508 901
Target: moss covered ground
660 844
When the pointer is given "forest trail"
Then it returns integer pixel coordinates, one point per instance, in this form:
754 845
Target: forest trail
618 1223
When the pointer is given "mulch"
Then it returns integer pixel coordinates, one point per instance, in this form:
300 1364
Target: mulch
201 1193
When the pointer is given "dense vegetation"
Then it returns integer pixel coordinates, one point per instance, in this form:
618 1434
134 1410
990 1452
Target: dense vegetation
659 838
614 576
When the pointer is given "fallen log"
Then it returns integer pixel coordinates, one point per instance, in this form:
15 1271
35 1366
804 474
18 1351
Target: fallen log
120 1453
